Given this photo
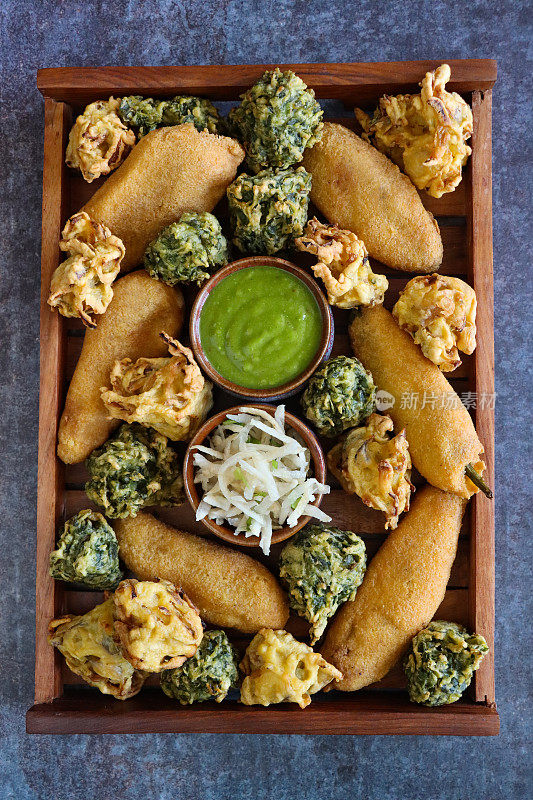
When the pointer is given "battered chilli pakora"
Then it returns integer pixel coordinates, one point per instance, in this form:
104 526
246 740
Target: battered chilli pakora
268 210
91 652
425 134
156 625
279 669
208 675
343 265
170 171
359 189
140 309
87 552
133 469
440 314
188 250
99 141
441 662
278 118
322 567
376 466
81 285
339 394
402 589
167 394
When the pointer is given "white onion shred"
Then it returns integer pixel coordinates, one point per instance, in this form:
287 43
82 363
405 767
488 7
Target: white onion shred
254 476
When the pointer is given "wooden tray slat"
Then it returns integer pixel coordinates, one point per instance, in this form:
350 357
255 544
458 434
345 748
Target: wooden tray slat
348 82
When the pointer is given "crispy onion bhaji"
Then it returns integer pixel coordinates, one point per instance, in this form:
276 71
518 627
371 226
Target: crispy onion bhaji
268 210
322 567
91 652
146 114
441 662
87 552
187 251
81 285
133 469
375 466
425 134
99 141
440 314
208 675
279 669
343 265
278 118
167 394
340 394
156 624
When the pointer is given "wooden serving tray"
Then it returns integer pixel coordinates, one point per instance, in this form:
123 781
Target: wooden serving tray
62 704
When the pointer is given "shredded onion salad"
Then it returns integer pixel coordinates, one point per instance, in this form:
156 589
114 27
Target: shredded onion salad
254 476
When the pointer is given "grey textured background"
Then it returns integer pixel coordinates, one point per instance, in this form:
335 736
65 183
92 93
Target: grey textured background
188 767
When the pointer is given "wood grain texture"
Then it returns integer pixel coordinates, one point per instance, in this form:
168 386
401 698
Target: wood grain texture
52 335
81 711
465 219
481 276
348 82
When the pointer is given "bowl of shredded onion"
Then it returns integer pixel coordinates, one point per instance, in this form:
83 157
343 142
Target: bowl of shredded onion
255 475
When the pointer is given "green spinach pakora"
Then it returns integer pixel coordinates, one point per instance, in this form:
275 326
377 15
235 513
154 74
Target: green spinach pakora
277 120
87 552
340 395
441 661
322 567
133 469
145 114
187 251
268 210
208 675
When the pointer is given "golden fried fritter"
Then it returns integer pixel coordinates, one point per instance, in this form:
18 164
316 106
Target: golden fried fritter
168 394
156 624
99 141
360 189
440 314
81 285
343 265
280 669
425 134
375 466
90 651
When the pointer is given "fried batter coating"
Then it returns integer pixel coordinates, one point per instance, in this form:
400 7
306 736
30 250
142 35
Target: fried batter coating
81 285
208 675
230 589
156 624
360 189
168 394
425 134
169 171
87 552
440 314
441 662
277 119
375 466
91 652
402 589
343 265
130 328
99 141
279 669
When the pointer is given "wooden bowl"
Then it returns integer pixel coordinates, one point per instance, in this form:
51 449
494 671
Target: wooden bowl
228 534
277 392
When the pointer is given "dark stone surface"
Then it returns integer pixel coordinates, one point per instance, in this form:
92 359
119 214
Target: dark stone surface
36 34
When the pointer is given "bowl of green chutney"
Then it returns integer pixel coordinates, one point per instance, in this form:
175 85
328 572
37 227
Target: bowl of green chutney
260 327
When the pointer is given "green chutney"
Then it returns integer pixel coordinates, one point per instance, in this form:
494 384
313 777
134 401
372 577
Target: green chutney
260 327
